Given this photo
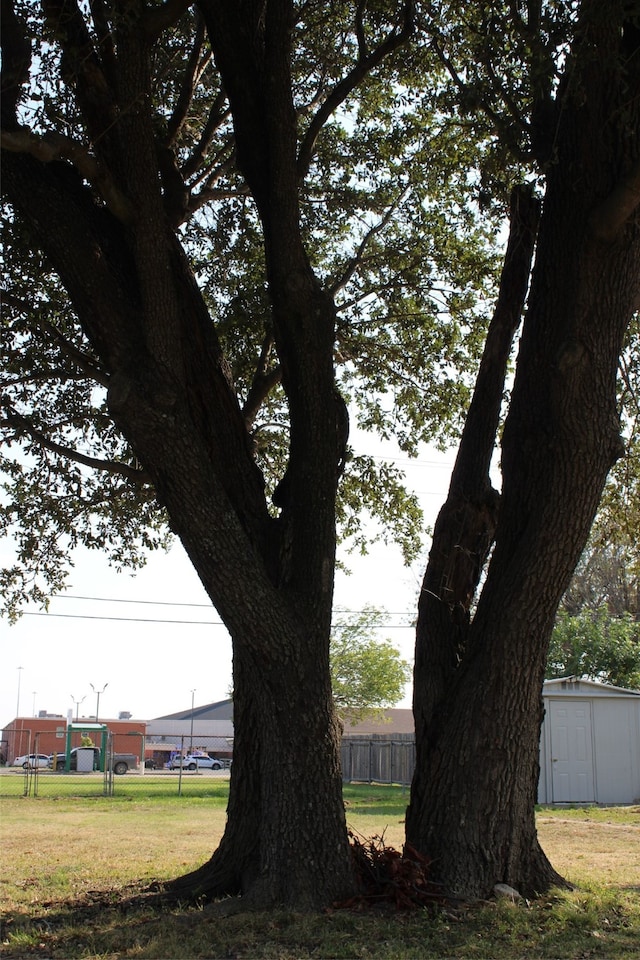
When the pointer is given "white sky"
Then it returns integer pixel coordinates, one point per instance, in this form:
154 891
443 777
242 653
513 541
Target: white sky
118 642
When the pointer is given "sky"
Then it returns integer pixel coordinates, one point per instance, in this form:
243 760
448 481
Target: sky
150 643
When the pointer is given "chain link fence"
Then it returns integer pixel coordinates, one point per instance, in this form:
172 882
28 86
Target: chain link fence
153 766
166 764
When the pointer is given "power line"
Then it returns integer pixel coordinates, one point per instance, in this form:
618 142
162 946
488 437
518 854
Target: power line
89 616
174 603
188 623
155 603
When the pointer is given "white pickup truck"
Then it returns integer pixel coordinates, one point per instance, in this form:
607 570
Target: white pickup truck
120 762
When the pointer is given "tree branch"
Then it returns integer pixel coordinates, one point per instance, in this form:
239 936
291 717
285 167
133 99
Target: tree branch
88 365
217 116
470 474
469 95
365 64
194 70
81 68
357 259
23 426
264 381
55 146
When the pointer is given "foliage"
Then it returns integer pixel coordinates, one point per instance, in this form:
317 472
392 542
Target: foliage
607 574
596 645
367 675
393 229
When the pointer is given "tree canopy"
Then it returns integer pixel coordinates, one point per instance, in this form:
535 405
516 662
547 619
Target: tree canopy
367 674
410 274
594 644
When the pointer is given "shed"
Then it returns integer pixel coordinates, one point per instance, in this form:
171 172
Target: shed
590 743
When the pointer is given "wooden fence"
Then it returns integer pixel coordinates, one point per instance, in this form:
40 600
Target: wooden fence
378 758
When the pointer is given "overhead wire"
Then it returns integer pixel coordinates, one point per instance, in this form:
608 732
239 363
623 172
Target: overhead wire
167 603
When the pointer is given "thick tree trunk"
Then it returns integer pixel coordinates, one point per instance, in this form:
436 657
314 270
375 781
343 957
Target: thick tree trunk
285 840
170 395
478 722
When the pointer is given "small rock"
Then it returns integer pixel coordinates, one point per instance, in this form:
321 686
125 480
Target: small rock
504 891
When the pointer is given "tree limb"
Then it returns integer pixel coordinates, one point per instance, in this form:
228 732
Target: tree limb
340 283
55 146
24 426
217 116
264 381
82 69
365 64
88 365
193 72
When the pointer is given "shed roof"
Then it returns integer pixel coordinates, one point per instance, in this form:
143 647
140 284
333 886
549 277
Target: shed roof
584 687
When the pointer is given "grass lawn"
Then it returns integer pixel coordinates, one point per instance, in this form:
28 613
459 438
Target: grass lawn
70 867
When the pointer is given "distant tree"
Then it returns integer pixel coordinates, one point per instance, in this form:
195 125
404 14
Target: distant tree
367 674
596 645
606 576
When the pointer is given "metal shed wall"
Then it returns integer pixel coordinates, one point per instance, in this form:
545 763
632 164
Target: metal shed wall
590 743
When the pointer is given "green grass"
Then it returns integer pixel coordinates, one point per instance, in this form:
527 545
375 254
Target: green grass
164 786
72 866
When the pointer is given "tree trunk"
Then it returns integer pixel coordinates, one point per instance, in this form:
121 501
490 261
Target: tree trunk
170 396
285 840
479 711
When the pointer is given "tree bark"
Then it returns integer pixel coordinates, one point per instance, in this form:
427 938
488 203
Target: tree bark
170 395
477 697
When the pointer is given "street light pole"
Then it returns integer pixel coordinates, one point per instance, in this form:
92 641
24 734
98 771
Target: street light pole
18 703
191 736
77 703
33 711
98 692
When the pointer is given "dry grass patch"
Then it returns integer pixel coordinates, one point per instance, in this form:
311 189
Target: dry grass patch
585 847
72 871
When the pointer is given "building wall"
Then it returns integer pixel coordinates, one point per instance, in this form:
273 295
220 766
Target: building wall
48 735
616 734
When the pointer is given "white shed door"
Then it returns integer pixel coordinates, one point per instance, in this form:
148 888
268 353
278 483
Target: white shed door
571 751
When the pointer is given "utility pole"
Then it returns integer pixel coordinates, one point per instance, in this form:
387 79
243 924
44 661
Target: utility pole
18 703
191 737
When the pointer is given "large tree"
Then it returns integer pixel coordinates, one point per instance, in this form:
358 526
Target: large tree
189 241
210 205
480 661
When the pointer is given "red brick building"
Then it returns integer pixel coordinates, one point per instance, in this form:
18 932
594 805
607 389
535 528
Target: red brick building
48 734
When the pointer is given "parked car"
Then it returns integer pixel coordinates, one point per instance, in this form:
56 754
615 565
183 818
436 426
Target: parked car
32 760
120 762
150 764
195 761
